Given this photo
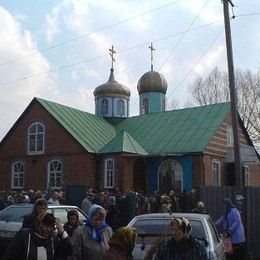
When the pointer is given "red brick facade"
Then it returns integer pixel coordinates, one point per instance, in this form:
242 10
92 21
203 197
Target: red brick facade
87 169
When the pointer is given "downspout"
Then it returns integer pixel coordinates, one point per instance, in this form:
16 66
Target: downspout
202 171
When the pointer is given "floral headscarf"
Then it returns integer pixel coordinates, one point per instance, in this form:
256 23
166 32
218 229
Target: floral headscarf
184 225
124 238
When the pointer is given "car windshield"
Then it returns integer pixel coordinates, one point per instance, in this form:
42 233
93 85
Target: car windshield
15 214
149 228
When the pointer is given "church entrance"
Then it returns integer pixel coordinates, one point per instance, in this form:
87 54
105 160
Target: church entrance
170 176
139 181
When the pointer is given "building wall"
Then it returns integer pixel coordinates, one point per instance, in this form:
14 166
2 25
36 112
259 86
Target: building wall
78 165
220 150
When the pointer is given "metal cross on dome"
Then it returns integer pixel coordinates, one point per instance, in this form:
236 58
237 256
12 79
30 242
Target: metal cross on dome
111 53
152 49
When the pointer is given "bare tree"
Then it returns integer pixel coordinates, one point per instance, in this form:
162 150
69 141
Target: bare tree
215 89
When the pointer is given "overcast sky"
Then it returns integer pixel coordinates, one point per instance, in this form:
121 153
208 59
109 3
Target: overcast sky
58 50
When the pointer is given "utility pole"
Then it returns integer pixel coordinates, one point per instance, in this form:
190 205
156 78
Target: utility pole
233 94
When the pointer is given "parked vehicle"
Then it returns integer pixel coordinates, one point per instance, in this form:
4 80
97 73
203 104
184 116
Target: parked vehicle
151 228
11 219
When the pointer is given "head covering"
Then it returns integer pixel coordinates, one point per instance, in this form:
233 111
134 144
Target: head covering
44 218
96 232
228 202
72 212
124 238
184 225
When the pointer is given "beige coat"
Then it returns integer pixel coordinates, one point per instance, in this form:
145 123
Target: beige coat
85 248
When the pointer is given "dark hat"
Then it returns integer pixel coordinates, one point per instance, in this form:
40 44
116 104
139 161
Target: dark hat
48 219
72 212
228 202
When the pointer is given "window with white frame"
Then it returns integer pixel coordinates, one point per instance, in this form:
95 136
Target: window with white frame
109 173
36 135
55 174
18 175
246 175
146 105
216 173
230 138
163 105
120 107
104 106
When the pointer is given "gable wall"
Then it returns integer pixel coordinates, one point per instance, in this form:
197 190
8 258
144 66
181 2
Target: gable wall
79 166
218 148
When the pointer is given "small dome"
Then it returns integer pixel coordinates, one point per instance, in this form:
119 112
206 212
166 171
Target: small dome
112 88
152 81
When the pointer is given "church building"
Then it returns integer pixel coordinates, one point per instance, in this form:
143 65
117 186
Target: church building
53 146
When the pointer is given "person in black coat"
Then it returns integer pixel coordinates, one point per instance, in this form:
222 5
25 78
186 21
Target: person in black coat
41 241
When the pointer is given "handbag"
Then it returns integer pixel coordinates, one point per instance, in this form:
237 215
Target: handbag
228 246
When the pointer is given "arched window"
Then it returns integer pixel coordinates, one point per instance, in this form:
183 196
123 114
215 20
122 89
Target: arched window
36 135
170 176
55 174
104 107
163 104
120 107
146 106
18 175
109 173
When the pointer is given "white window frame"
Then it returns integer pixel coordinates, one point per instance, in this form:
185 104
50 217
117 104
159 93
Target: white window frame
36 138
55 174
246 175
104 106
120 107
216 173
18 172
230 137
109 174
146 106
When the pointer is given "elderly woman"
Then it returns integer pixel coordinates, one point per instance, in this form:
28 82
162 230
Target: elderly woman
181 246
121 244
90 241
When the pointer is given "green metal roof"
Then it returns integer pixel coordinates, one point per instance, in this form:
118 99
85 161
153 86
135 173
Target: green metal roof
91 131
178 131
123 142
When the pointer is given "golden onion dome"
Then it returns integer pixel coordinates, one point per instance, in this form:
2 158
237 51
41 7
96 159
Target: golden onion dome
152 81
112 88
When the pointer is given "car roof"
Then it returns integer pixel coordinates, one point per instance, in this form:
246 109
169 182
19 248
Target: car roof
172 215
49 205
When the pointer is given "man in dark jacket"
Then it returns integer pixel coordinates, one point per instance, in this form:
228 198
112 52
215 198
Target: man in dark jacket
40 242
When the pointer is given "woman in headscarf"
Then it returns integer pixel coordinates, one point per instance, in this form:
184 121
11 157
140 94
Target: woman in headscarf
231 224
73 222
181 246
90 241
41 241
121 244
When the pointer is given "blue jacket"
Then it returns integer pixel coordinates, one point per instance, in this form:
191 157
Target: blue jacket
232 223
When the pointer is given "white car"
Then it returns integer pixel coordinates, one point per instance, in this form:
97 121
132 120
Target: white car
11 219
152 227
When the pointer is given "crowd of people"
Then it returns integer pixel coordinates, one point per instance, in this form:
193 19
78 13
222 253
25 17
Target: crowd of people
104 234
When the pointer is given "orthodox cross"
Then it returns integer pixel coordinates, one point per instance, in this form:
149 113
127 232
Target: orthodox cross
152 49
111 53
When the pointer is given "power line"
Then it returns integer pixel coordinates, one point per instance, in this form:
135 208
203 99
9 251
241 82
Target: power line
177 44
88 34
196 63
103 56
